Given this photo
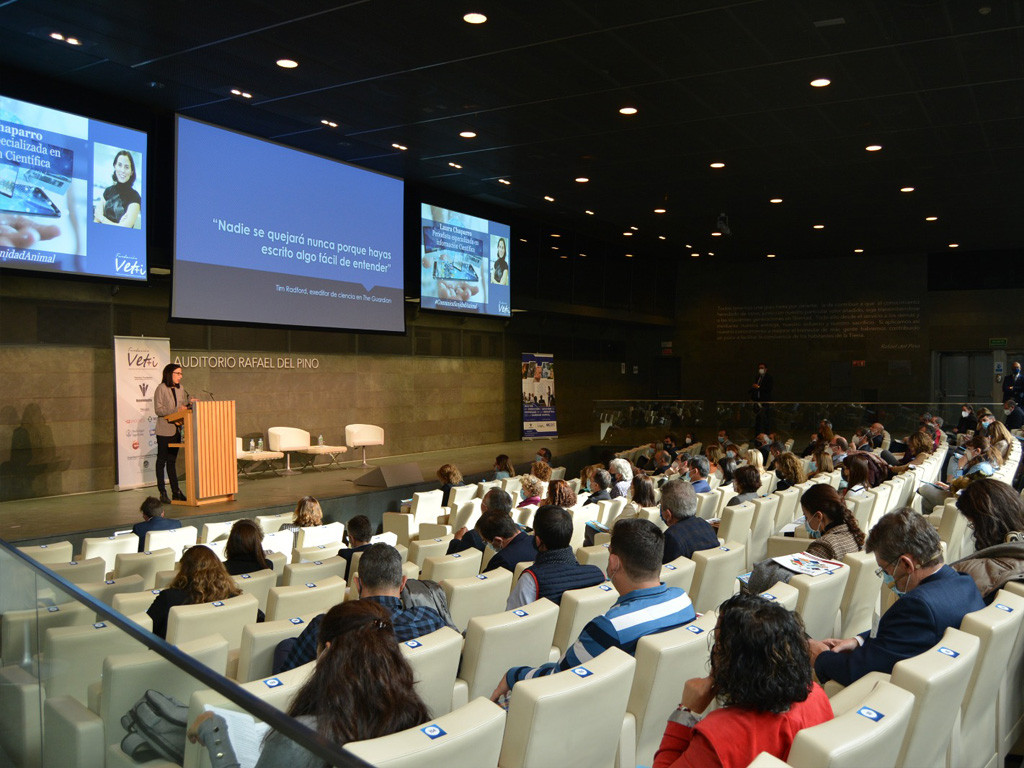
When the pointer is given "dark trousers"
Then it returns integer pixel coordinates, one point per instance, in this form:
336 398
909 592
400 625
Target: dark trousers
166 456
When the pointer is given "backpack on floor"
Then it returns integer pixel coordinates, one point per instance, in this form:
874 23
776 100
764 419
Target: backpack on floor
156 726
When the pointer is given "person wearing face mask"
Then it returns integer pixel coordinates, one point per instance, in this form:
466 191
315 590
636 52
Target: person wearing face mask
511 544
977 461
495 500
761 394
933 597
968 422
686 533
530 491
600 486
543 455
1014 415
1013 384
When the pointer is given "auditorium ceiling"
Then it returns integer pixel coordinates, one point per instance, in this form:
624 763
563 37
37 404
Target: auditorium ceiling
390 85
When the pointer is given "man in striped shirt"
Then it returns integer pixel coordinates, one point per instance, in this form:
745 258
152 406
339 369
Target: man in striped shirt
645 605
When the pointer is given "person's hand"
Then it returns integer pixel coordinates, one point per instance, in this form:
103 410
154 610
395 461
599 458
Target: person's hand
837 645
193 731
22 232
460 533
698 693
501 690
816 648
941 485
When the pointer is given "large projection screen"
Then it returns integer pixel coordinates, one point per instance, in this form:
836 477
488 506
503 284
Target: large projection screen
272 235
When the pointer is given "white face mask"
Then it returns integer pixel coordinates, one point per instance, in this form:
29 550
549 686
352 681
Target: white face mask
688 441
1007 411
761 371
964 413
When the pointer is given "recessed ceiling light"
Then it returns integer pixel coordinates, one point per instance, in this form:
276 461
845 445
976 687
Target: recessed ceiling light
689 246
954 245
328 123
661 237
246 95
718 165
563 256
659 210
555 234
627 111
57 36
468 134
931 218
873 147
399 146
819 226
629 255
589 213
858 250
474 18
236 92
775 200
454 165
821 82
554 247
287 63
635 229
506 182
627 234
716 234
771 255
522 239
582 179
243 94
711 253
695 255
906 189
549 198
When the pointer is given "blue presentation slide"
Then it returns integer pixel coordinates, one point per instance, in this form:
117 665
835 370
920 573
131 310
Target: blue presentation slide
269 234
72 193
464 263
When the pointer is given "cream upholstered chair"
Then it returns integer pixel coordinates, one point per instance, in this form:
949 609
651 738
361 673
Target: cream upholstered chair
469 737
457 566
597 555
783 593
249 460
329 534
315 570
707 505
109 547
146 564
1011 724
761 528
226 618
571 718
577 608
177 539
820 599
434 659
272 523
256 652
81 571
679 573
477 595
736 523
789 503
362 435
259 584
860 598
715 576
73 656
286 440
421 549
58 552
105 590
301 599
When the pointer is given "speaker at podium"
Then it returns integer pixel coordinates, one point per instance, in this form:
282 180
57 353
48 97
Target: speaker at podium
392 476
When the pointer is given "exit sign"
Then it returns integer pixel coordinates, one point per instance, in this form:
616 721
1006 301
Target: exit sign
860 363
997 343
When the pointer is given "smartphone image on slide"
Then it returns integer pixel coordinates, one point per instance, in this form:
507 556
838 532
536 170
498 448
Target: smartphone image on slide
8 178
29 200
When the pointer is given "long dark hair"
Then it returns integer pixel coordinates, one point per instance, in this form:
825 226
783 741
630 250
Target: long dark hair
245 542
993 508
362 686
857 470
166 375
131 162
822 497
760 660
643 491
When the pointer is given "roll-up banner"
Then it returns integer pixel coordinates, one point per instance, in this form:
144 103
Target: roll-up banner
138 365
539 396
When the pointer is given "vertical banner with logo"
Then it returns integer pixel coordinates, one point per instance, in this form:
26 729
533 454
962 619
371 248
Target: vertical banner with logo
539 396
138 363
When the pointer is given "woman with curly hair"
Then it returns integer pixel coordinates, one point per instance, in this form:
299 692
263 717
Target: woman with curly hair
919 448
622 475
307 514
561 494
449 477
761 677
530 491
790 471
361 688
201 578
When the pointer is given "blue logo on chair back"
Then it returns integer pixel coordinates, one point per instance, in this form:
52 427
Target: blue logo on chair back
605 587
436 539
109 581
482 576
218 603
581 672
413 643
99 625
318 562
767 595
44 546
272 682
433 731
296 620
53 609
246 575
1003 607
692 628
870 714
670 567
310 584
520 612
724 549
948 652
456 555
147 553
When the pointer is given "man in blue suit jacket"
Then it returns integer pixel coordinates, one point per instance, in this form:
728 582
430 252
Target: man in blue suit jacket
932 597
152 520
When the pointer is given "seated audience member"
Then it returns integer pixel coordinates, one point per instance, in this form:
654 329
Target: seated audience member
686 533
530 491
714 454
861 440
723 437
762 444
726 470
832 528
541 470
449 477
839 448
919 448
933 597
600 487
201 578
561 494
996 513
244 549
668 444
495 500
358 533
968 421
645 605
821 462
755 459
643 493
380 580
1014 415
152 520
556 568
622 474
732 451
1001 440
543 456
681 466
662 463
643 496
746 482
361 688
977 461
307 515
819 439
790 471
699 469
761 677
503 468
512 544
587 477
855 474
775 450
879 437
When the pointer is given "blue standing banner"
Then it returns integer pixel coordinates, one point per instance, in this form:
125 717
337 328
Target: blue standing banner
538 376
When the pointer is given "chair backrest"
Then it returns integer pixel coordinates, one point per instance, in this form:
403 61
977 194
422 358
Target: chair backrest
715 576
455 566
881 494
737 521
521 566
146 564
256 652
226 618
318 552
707 505
287 438
469 737
502 640
273 523
73 656
524 515
175 538
558 473
214 531
577 608
871 734
421 549
329 534
782 593
609 511
938 678
357 435
426 506
279 541
573 718
789 501
860 504
860 597
819 601
762 527
316 570
952 529
58 552
20 629
301 599
109 547
512 486
1012 723
460 494
259 584
132 603
478 595
596 555
484 487
725 495
434 659
81 571
766 760
105 590
679 573
467 514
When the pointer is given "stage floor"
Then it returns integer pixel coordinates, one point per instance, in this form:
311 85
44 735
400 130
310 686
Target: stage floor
102 512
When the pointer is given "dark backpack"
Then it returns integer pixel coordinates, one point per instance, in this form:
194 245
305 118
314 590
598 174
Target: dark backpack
156 726
428 593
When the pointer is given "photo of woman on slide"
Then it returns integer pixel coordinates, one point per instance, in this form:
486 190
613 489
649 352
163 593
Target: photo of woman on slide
499 275
120 205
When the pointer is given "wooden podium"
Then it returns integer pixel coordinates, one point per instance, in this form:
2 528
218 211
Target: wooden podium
208 437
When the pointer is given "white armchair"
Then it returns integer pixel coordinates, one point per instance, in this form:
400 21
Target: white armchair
362 435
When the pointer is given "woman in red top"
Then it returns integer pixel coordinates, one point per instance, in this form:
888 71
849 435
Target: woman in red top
761 677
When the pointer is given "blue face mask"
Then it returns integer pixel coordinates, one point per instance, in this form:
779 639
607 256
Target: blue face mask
538 457
586 487
522 494
810 531
843 483
890 582
721 440
731 454
812 467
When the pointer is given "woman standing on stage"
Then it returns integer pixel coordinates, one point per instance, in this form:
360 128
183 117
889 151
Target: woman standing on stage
169 397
